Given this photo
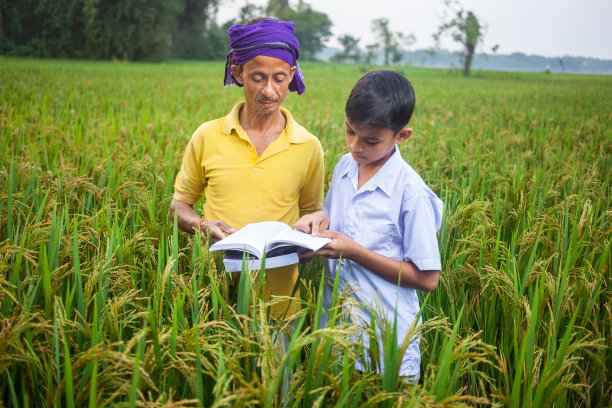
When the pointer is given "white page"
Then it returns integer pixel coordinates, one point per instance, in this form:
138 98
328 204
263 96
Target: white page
294 237
253 237
233 262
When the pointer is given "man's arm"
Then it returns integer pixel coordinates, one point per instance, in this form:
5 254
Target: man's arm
188 220
387 268
188 188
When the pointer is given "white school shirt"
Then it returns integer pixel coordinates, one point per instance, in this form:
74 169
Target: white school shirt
396 215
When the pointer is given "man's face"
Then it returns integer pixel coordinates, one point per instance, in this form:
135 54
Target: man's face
373 145
266 82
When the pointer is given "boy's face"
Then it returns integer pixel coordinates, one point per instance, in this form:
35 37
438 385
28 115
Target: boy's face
373 145
266 82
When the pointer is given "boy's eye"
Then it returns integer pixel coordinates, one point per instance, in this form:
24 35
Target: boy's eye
371 142
350 131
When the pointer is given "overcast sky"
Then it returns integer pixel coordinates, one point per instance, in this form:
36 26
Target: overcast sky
544 27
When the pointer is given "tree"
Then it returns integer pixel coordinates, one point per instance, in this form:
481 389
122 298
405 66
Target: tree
5 5
391 41
140 29
380 26
350 50
406 41
371 50
278 8
196 36
248 12
98 29
312 28
21 28
464 28
111 29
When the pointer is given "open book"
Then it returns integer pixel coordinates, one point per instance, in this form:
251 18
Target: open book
280 243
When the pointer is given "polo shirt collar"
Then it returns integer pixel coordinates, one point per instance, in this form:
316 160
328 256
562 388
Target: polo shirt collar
295 132
384 179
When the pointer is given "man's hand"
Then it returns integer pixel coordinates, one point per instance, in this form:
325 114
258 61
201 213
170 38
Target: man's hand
188 221
341 245
314 223
217 229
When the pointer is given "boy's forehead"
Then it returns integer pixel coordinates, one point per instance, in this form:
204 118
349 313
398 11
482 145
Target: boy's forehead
370 130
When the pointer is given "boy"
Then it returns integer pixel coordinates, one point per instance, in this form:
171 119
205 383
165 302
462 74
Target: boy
381 216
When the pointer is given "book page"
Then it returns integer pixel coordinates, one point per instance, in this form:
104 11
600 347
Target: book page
233 261
294 237
253 237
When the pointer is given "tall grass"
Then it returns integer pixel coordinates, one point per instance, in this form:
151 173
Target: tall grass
103 302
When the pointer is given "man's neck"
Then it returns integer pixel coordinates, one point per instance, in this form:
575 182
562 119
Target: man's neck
256 123
261 129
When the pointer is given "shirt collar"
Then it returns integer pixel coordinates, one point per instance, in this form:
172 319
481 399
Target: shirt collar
295 132
385 176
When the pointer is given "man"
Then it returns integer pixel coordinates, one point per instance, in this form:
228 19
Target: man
257 163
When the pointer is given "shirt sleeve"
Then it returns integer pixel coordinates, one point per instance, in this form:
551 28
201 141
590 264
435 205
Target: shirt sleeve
311 195
328 198
340 167
190 181
421 216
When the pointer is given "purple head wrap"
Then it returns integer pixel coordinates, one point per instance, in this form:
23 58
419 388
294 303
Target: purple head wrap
270 38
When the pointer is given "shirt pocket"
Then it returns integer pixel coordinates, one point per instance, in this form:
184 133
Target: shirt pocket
382 238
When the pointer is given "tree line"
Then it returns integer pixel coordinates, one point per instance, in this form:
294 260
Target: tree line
155 30
138 30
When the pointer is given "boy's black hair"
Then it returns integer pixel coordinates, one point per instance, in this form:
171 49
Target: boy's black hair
381 98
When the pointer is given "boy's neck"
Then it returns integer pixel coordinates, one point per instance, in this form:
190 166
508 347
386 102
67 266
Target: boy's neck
367 171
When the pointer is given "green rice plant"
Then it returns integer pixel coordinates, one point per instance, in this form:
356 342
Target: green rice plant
88 258
136 371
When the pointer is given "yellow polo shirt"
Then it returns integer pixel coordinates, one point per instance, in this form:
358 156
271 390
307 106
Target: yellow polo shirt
241 187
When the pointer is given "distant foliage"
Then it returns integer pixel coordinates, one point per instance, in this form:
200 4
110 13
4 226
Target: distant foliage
106 29
464 28
141 30
312 28
390 41
197 35
350 49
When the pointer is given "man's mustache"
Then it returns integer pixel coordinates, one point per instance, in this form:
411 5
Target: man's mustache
263 99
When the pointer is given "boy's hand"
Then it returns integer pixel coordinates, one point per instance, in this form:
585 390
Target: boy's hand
341 245
306 255
314 223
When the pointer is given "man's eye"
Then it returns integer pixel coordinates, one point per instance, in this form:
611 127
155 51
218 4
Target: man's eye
280 79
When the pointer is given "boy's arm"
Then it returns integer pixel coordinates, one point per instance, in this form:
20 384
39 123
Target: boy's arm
389 269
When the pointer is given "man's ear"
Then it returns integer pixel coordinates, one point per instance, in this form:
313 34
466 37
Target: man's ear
292 73
237 71
403 135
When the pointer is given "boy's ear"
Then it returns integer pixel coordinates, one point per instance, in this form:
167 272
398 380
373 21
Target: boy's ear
237 71
403 135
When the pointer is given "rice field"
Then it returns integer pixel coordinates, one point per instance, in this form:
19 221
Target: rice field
104 303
